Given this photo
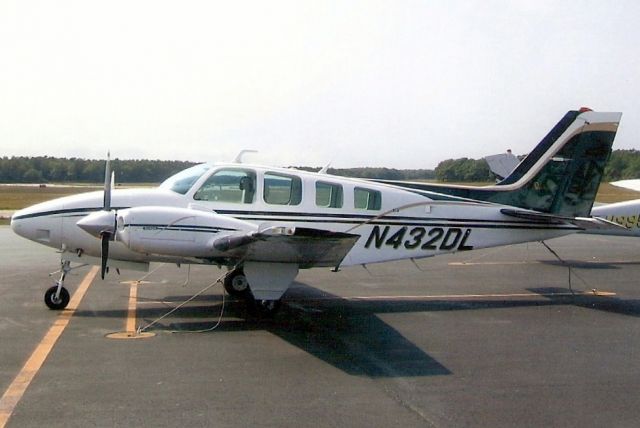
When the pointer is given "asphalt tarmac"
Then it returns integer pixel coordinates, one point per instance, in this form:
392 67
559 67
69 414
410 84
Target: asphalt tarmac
485 338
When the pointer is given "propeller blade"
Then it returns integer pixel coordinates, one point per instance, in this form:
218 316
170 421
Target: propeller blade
105 253
106 206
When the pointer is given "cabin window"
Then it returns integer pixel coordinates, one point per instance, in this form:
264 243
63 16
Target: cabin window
228 185
281 189
367 199
328 195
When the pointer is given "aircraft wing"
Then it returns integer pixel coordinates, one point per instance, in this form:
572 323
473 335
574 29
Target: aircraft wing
633 184
587 223
303 246
189 233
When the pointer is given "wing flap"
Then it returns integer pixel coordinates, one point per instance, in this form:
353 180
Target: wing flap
305 247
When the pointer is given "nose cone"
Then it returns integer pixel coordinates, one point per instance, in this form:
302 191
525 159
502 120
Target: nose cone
38 223
99 223
25 222
16 225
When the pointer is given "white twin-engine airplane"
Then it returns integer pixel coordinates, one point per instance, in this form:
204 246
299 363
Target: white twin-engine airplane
264 223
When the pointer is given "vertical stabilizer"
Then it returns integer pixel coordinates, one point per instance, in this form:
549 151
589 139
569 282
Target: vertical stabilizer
560 176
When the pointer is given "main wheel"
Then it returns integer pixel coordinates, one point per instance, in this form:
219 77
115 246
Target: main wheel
56 303
236 284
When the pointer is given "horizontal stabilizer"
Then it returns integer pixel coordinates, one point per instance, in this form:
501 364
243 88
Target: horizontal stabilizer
587 223
536 216
597 223
633 184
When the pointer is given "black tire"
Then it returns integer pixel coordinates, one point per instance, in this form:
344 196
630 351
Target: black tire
53 303
236 284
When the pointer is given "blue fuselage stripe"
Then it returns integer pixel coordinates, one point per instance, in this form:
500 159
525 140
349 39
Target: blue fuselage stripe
315 218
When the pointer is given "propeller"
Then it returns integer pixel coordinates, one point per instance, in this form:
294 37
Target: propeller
104 254
102 224
106 201
107 234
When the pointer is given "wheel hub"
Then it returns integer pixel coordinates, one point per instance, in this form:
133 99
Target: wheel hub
239 283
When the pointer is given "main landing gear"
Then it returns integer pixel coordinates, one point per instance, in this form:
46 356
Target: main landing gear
237 285
57 297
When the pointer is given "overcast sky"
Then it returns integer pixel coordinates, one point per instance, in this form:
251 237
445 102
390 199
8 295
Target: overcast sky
402 84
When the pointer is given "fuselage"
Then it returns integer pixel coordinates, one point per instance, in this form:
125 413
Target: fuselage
393 223
626 214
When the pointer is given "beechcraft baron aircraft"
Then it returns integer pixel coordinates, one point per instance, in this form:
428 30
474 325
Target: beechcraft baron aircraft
265 223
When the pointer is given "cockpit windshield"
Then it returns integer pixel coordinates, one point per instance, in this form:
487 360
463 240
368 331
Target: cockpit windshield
182 181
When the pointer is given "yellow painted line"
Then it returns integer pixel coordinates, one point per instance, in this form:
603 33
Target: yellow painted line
131 313
130 326
20 384
136 282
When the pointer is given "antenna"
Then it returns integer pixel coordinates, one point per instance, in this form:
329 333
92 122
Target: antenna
238 158
325 168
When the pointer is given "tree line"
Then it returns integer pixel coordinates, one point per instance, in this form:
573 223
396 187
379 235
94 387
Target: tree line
378 173
45 169
463 169
623 164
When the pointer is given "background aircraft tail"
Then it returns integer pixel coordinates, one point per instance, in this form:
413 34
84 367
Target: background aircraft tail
560 176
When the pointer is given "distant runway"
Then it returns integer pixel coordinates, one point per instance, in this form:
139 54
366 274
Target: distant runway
485 338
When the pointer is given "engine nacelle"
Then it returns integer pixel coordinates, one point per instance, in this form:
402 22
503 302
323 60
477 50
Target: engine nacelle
177 231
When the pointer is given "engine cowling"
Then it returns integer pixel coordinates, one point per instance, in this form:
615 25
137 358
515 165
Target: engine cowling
177 231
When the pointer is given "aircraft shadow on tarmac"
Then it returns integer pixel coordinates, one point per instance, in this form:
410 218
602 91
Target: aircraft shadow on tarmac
612 304
590 264
347 333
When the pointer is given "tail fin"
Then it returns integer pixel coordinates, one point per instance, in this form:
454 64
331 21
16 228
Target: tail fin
560 176
544 146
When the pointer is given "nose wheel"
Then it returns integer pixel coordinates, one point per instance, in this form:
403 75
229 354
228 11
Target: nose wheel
57 297
56 300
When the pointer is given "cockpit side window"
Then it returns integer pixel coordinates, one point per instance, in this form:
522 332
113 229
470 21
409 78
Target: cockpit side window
229 185
182 181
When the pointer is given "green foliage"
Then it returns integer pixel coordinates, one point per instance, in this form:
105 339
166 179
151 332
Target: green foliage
45 169
622 165
379 173
463 169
